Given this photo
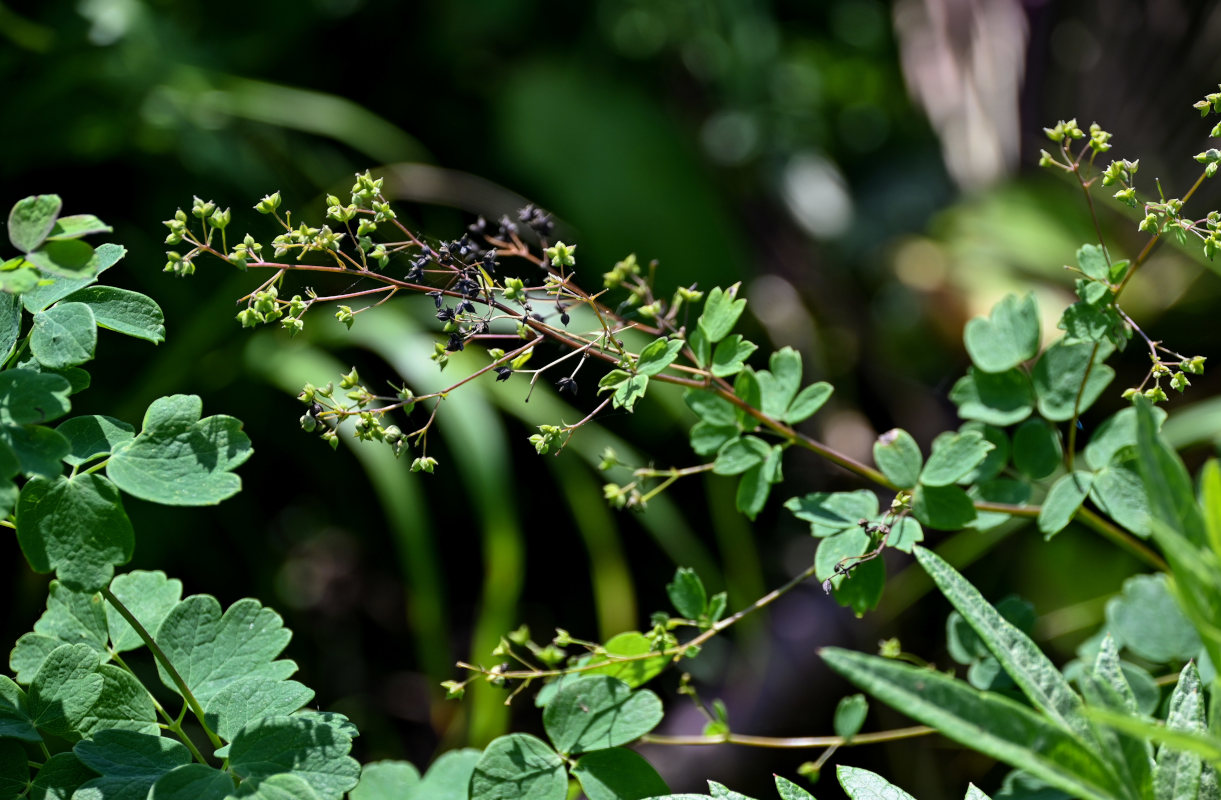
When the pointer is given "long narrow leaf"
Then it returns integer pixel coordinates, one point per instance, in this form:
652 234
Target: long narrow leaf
986 722
1178 773
1207 746
1105 686
1021 658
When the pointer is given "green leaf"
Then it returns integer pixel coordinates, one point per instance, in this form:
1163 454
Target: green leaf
709 406
39 450
983 721
862 589
126 312
92 437
31 220
832 550
658 355
104 257
1062 501
635 671
739 455
1036 449
247 699
15 721
123 704
15 282
1093 262
1001 490
746 388
791 791
386 780
1146 620
730 356
953 456
598 712
629 391
64 690
687 593
129 763
946 508
1060 372
1086 322
66 258
707 438
75 226
179 459
1167 483
1177 773
517 766
850 715
211 651
75 526
10 324
998 398
807 402
149 596
1007 337
779 384
14 770
905 534
447 779
898 456
1106 686
861 784
30 651
1115 439
701 348
719 792
721 312
313 751
63 335
193 782
60 776
617 774
831 512
756 483
28 397
281 786
1033 672
1119 493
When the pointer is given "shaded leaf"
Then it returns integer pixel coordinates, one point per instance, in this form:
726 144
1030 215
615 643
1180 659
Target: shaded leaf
617 774
1007 337
313 751
1060 372
598 712
998 398
123 311
943 507
1062 501
519 765
1036 449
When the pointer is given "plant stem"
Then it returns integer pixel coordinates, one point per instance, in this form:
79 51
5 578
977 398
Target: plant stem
164 661
791 742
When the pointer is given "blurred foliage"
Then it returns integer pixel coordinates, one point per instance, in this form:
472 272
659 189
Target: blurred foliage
772 143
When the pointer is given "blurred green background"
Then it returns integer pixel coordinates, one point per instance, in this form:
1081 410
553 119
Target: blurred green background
864 168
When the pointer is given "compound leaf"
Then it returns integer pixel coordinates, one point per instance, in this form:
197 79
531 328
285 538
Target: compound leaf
14 770
1062 501
179 459
516 766
658 355
1036 449
807 402
730 356
211 651
634 671
123 704
946 508
15 721
779 383
75 226
60 776
38 298
1146 620
831 512
75 526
